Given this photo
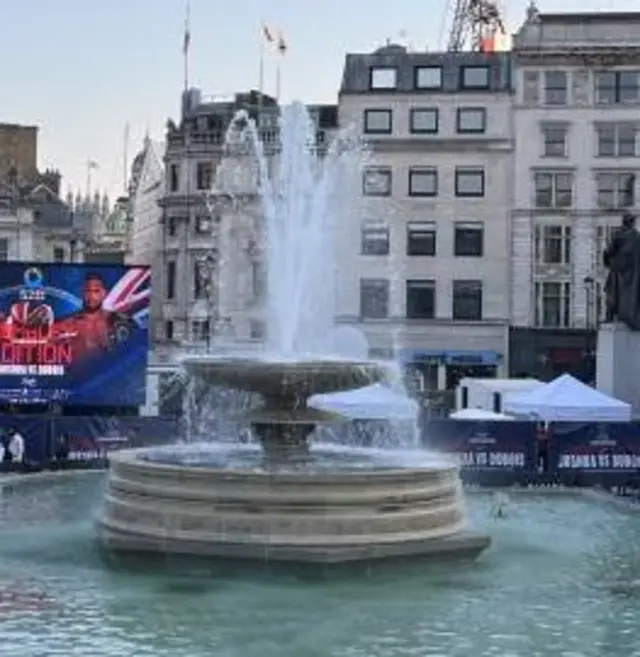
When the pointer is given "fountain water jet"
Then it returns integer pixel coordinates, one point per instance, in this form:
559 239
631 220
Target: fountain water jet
294 503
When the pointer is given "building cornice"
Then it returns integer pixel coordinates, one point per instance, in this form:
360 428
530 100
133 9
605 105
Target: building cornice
578 55
439 144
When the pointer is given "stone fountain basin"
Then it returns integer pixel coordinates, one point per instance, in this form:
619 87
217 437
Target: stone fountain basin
313 517
281 378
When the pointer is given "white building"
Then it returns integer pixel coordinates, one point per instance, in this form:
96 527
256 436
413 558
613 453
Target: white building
213 235
145 233
430 253
36 225
145 190
577 81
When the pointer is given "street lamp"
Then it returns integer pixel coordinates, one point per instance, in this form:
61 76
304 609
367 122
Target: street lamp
591 325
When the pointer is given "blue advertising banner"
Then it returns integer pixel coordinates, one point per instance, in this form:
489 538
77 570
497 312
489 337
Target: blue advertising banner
74 333
484 445
94 437
611 447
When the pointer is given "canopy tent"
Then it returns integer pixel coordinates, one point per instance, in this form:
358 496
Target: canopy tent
479 414
375 402
566 399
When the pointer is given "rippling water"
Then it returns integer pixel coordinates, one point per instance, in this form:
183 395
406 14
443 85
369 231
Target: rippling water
553 585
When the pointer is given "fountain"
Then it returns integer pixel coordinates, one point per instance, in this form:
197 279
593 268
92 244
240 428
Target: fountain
286 498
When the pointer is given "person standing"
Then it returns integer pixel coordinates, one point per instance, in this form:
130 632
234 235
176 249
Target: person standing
16 447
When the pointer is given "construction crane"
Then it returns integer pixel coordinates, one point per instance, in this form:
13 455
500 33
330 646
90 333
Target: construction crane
475 25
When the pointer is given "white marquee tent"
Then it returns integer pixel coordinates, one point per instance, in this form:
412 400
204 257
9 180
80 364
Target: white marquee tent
480 414
375 402
566 399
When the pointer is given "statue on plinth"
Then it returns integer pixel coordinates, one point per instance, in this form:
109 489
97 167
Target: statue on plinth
622 287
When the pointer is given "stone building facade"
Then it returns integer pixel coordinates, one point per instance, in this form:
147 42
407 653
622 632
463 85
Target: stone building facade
430 253
575 114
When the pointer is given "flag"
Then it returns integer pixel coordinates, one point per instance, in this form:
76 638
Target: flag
267 33
92 164
282 44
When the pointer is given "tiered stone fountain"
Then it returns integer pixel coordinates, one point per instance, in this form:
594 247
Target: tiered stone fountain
364 506
288 498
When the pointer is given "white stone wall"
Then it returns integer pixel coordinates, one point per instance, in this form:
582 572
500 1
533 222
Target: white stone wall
447 150
581 115
16 226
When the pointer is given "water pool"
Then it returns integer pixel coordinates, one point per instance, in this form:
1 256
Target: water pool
554 584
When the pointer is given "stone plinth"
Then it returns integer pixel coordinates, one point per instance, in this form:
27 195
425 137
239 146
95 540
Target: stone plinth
285 516
618 363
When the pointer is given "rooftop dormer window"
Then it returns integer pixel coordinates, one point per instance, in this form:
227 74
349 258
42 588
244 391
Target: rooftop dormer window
383 78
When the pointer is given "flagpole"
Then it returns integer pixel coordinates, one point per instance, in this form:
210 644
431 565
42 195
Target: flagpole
261 76
282 49
186 43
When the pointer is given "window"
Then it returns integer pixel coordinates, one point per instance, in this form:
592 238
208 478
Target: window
423 181
58 254
374 238
423 120
421 238
200 279
172 226
469 182
467 300
553 304
4 249
553 245
471 119
427 77
615 190
474 77
204 175
257 329
377 121
168 329
468 240
376 181
530 87
258 280
555 87
174 177
553 190
420 299
374 298
554 138
203 225
171 280
614 87
200 330
383 77
616 139
604 233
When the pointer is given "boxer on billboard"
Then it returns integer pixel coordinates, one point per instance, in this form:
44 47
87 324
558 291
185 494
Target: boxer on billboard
94 327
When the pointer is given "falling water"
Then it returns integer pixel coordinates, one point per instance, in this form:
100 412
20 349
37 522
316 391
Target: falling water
306 198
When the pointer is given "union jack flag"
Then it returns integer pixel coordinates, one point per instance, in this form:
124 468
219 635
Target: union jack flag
131 295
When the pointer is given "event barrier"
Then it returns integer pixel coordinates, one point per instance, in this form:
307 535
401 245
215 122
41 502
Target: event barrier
506 453
606 454
87 438
490 453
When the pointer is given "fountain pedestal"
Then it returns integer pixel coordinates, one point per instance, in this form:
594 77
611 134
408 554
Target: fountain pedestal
618 363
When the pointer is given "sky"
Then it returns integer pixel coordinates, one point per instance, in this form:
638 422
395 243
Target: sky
82 70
